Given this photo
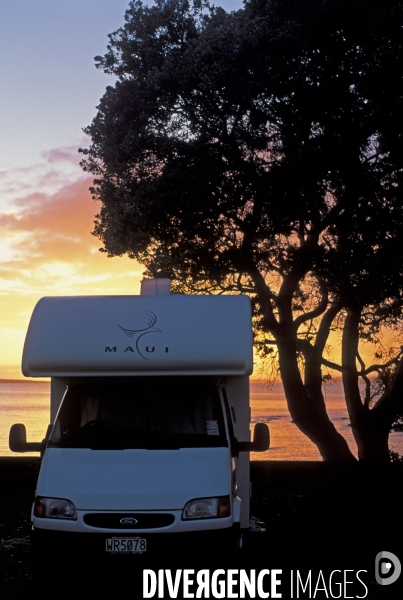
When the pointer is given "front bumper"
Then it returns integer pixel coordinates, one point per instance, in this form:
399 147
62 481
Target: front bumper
61 546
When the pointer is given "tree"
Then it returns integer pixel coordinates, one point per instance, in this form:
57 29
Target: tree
260 152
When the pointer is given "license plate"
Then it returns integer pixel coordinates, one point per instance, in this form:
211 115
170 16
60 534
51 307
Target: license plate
118 545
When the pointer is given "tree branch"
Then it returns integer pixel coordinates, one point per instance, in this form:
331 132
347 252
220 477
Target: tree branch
316 312
305 346
350 373
264 298
391 403
367 398
380 368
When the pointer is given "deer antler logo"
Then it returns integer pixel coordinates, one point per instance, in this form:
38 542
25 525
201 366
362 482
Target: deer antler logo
152 319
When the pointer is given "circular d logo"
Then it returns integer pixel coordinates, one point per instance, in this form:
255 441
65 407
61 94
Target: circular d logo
387 568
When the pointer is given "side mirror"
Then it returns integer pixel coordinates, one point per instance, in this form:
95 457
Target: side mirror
17 440
261 440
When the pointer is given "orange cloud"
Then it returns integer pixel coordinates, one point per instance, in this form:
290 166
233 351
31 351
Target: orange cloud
42 228
68 213
46 248
48 228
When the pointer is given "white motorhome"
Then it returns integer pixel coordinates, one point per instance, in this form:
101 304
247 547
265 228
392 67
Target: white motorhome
150 415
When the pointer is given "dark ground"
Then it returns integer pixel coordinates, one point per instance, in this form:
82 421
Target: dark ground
318 518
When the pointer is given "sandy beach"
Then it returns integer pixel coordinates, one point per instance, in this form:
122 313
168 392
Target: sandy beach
317 518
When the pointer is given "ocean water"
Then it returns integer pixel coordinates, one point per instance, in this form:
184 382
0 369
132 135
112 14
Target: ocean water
28 403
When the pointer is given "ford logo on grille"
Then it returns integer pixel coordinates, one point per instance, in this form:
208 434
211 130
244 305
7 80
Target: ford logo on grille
128 521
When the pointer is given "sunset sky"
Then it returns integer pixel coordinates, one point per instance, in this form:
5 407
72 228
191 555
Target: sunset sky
49 91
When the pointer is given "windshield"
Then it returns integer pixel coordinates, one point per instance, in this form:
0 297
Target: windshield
148 414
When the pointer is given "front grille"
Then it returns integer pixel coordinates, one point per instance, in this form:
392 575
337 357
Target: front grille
142 520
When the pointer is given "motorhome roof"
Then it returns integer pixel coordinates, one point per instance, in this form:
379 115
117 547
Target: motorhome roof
139 335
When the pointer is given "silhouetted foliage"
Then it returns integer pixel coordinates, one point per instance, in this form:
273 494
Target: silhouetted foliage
261 152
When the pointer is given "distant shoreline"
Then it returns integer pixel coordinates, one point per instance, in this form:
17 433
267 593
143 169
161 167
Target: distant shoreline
24 381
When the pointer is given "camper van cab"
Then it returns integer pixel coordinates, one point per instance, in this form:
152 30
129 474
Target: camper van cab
149 442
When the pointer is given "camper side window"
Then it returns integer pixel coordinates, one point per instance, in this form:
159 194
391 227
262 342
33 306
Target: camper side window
140 414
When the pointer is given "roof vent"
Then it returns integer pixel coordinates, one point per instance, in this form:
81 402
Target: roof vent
155 287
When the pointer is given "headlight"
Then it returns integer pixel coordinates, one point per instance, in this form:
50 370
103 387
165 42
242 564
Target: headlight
54 508
207 508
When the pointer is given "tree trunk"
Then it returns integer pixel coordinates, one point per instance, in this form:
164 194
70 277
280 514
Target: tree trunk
385 411
313 356
309 414
309 418
370 432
